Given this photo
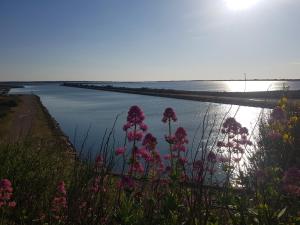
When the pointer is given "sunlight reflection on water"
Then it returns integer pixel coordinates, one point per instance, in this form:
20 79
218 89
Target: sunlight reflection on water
238 86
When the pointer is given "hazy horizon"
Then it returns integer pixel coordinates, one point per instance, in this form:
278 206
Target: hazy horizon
159 40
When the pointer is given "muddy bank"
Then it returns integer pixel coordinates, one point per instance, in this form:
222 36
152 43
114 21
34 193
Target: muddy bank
263 99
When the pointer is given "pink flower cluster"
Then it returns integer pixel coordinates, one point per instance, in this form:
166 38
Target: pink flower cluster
120 151
135 117
59 203
149 141
237 136
180 139
150 153
134 135
135 120
177 142
6 192
169 115
231 126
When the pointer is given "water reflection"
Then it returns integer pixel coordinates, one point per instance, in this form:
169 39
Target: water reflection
240 86
77 109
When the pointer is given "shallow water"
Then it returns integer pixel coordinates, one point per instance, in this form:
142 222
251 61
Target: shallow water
78 110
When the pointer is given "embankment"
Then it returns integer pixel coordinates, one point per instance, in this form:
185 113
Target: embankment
30 119
263 99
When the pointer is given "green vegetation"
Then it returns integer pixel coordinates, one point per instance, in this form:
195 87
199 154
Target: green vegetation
6 103
43 184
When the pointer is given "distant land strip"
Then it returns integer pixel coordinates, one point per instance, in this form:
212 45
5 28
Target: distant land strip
263 99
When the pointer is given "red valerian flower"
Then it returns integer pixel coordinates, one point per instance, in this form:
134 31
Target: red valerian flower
231 126
135 136
6 192
145 154
137 167
135 115
59 203
149 141
211 157
120 151
181 135
169 115
182 160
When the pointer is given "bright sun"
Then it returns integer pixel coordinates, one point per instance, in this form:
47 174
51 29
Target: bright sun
240 4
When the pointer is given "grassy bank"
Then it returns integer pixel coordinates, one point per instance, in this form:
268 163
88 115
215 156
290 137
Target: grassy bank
41 183
34 156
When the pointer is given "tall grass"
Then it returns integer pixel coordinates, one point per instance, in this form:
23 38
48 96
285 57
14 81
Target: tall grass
208 184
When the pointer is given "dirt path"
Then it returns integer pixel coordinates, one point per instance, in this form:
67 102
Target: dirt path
23 118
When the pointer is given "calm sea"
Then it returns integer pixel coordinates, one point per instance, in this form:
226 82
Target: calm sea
79 111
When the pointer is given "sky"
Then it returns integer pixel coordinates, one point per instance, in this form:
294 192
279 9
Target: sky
141 40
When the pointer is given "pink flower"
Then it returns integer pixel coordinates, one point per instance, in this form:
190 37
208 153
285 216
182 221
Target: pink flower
126 126
198 164
137 167
244 131
220 144
211 157
156 156
12 204
120 151
6 192
180 135
149 141
182 160
143 127
179 140
145 154
169 115
179 146
95 186
231 126
126 183
134 136
59 203
61 188
170 139
135 115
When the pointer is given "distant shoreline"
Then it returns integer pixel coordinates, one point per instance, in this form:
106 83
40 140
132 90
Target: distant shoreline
110 81
262 99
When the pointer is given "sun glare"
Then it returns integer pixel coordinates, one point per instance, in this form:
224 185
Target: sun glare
240 4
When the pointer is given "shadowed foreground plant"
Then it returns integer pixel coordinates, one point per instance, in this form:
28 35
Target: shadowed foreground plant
207 185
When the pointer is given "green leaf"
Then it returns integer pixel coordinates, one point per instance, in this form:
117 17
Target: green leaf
280 214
